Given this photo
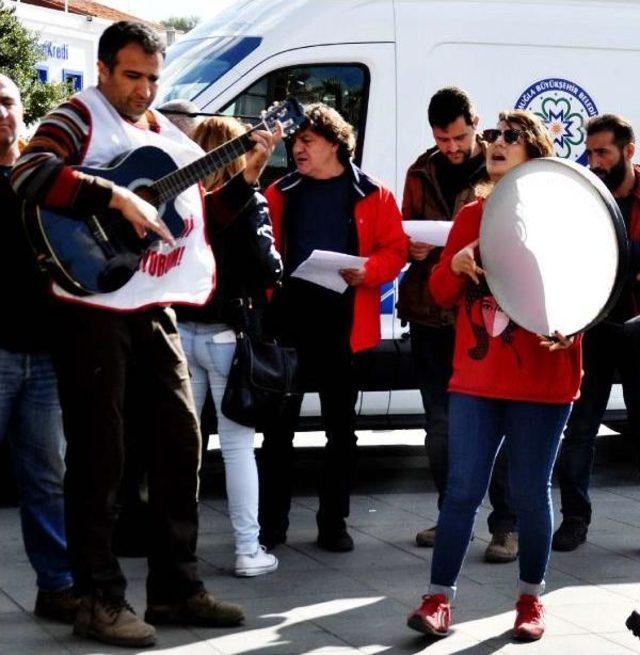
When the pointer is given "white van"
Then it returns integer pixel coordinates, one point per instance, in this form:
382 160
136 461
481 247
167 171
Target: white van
379 62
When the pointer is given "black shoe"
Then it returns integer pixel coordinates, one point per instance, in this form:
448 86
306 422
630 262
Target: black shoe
571 533
272 539
336 541
633 623
61 605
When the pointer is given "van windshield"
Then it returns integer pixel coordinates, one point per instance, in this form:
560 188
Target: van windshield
195 64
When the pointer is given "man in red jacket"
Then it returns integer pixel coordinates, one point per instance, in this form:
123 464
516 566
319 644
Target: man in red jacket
327 204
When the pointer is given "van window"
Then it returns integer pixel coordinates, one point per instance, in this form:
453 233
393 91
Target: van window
342 86
194 65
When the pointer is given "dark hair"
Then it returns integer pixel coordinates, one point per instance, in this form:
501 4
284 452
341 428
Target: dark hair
620 127
536 135
536 138
447 105
121 34
328 123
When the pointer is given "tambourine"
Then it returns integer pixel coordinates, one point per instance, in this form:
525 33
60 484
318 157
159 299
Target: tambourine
553 246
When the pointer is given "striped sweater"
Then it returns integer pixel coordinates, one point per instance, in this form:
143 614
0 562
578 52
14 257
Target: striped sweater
43 173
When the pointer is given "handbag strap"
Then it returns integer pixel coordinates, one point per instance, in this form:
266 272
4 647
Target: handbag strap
243 309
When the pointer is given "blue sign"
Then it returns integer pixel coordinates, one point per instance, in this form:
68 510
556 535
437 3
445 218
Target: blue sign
565 108
51 50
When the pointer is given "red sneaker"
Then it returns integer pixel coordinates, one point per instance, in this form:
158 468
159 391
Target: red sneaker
433 617
529 624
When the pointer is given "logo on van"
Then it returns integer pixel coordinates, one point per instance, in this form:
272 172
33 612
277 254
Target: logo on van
565 108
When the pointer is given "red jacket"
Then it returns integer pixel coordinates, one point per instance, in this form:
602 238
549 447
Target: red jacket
494 357
634 236
380 238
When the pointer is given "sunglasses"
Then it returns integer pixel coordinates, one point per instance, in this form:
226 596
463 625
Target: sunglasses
510 135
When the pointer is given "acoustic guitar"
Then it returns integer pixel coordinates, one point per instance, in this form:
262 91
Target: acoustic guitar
100 253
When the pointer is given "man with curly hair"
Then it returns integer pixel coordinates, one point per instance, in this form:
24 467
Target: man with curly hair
328 203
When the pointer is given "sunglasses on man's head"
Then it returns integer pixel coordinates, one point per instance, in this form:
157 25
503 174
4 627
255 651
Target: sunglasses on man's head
510 135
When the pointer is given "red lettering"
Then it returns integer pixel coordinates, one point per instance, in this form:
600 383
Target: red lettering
189 224
153 263
144 261
158 264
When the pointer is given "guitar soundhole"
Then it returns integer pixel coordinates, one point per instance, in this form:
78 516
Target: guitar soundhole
148 194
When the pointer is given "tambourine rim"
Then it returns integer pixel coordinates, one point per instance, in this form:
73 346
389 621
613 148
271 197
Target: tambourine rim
618 225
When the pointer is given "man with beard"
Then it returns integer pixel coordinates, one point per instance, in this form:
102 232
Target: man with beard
609 346
438 183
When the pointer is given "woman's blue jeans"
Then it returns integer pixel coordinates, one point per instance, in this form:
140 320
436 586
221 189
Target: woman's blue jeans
209 366
532 434
30 416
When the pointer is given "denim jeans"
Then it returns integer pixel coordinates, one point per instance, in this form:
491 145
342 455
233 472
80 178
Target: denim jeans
30 417
606 347
209 365
531 432
432 352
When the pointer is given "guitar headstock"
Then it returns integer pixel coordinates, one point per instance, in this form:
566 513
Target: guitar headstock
289 113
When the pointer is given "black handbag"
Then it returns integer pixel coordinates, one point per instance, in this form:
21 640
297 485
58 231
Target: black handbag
263 380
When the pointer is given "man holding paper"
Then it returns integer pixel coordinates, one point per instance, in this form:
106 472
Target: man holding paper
325 213
438 184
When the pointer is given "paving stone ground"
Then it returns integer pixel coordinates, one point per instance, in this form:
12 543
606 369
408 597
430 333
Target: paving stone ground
337 604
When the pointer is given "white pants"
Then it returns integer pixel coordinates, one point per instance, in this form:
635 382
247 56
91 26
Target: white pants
209 349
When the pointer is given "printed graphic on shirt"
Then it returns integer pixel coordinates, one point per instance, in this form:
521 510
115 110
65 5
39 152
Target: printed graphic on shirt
565 108
488 321
158 261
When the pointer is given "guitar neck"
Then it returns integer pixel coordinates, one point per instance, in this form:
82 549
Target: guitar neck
175 183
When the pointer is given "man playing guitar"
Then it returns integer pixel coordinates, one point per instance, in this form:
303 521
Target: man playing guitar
99 338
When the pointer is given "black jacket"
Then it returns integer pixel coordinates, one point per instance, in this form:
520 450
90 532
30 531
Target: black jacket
25 324
247 262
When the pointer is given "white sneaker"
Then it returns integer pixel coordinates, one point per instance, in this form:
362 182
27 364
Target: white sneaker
259 563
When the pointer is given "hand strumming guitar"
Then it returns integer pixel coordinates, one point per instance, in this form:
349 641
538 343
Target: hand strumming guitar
141 214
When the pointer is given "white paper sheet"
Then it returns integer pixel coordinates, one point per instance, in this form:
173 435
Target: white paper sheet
322 267
434 233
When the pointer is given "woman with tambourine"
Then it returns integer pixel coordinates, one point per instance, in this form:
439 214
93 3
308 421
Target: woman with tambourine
507 383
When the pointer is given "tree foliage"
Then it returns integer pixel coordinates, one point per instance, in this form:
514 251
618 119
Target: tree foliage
19 53
182 23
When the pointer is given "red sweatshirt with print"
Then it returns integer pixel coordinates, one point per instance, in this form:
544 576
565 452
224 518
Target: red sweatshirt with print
495 358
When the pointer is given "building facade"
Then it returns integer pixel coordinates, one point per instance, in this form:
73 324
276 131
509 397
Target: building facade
68 34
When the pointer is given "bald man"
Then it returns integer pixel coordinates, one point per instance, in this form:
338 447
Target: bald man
182 113
28 391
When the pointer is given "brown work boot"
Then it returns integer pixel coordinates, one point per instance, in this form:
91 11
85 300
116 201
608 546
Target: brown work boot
201 609
426 538
112 621
61 605
503 548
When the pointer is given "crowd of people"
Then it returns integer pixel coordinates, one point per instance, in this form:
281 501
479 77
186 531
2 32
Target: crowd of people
78 371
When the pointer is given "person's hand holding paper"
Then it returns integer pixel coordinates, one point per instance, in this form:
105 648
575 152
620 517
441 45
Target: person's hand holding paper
425 236
353 276
332 270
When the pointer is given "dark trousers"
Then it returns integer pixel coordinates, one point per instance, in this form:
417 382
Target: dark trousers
326 366
606 348
96 352
432 350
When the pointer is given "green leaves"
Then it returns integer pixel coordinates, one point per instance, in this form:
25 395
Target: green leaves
18 56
